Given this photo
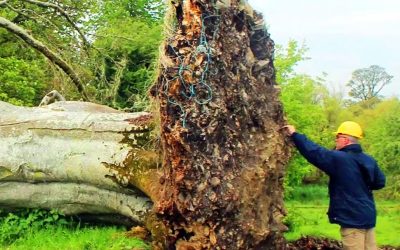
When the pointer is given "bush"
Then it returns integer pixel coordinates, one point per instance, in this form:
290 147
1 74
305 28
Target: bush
16 225
21 82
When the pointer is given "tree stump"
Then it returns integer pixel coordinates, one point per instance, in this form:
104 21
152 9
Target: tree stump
223 150
223 153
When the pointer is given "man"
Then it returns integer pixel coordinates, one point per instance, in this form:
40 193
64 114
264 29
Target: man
352 177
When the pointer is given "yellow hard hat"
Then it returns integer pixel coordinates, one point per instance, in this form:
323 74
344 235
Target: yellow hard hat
350 128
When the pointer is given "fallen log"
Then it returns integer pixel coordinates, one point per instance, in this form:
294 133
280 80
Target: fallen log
77 157
74 199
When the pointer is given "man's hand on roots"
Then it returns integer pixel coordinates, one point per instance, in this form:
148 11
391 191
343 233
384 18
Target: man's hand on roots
290 129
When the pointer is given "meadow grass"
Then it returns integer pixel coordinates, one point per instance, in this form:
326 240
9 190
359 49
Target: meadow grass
59 237
307 209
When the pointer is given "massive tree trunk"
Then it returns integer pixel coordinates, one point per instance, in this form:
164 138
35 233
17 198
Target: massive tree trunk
77 157
224 152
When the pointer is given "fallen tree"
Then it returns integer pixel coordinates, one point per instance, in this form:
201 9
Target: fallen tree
76 157
220 182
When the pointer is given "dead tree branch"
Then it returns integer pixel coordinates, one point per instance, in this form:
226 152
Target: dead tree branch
51 97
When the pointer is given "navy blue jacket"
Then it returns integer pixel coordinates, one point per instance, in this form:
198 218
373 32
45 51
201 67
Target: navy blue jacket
352 177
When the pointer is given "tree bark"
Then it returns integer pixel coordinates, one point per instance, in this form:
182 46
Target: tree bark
77 157
52 56
224 152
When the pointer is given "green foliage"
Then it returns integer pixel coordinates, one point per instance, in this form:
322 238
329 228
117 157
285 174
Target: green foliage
16 225
287 58
117 67
22 82
55 32
382 140
145 10
41 229
129 51
303 103
303 99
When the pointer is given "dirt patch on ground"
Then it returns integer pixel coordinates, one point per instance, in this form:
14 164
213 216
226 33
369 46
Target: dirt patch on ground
311 243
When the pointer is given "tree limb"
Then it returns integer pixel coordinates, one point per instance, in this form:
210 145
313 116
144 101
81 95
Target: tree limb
53 57
72 198
63 13
20 12
51 97
21 15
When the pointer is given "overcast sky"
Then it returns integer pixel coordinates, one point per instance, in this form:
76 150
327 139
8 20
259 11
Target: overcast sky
342 35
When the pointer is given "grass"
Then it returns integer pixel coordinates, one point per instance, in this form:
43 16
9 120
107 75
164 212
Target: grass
307 209
317 195
36 229
59 238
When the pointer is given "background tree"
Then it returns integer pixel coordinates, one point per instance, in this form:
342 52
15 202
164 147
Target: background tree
127 38
286 58
22 82
366 83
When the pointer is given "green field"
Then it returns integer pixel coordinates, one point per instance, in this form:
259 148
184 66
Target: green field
311 219
307 209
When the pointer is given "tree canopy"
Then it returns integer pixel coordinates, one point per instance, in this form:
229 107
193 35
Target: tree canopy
106 49
367 83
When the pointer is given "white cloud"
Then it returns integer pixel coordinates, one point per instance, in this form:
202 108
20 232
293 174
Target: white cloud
362 23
